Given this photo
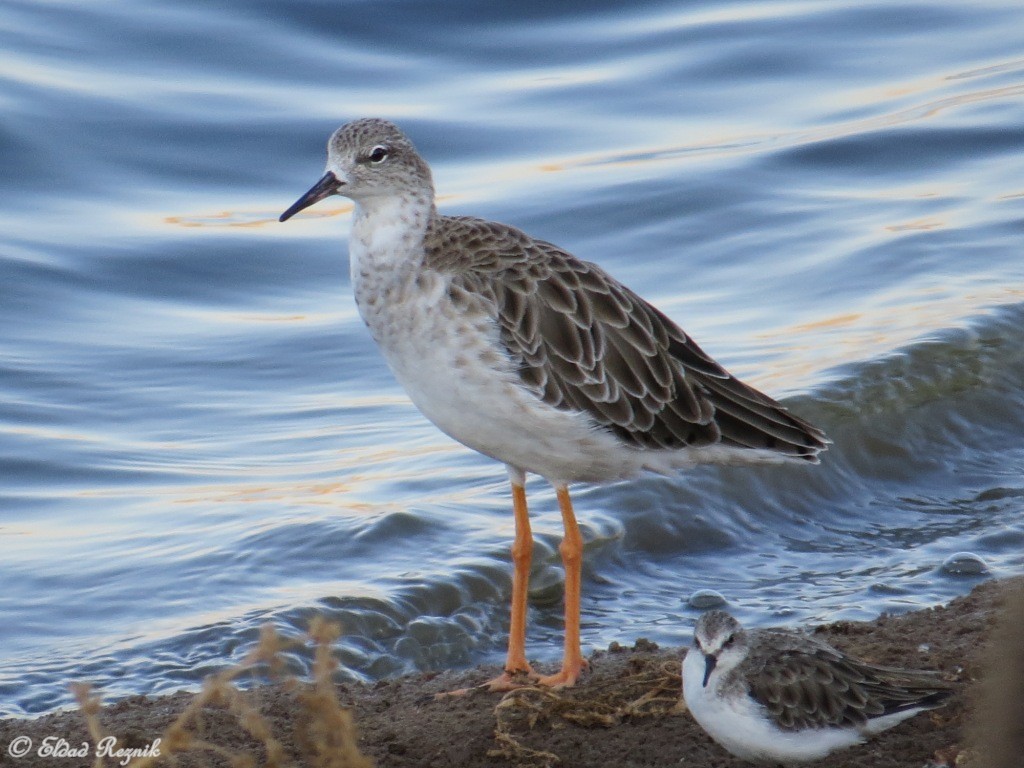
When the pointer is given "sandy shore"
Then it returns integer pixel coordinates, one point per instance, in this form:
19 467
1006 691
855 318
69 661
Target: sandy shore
626 713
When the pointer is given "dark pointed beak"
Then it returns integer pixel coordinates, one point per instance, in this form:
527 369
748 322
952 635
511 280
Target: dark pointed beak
709 667
327 186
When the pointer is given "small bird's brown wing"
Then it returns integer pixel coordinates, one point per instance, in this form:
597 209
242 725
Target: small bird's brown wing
813 685
583 341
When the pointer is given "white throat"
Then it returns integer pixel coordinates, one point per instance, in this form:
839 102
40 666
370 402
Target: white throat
387 232
386 255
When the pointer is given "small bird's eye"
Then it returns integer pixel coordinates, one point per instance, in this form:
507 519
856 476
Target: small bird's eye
378 155
729 641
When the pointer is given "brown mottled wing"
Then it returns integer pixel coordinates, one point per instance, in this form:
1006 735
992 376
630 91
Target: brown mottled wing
585 342
812 685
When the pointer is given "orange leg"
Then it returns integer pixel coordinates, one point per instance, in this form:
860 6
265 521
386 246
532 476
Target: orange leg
518 671
522 552
571 549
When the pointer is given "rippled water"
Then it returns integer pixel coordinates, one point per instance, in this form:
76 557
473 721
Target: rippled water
197 435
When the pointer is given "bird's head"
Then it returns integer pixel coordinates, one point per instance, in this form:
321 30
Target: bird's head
722 640
368 158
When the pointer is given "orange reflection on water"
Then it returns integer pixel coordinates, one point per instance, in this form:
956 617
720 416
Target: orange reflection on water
922 225
249 219
356 475
761 142
305 493
803 352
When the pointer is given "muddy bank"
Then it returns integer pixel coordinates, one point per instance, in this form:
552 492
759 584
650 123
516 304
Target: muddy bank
625 713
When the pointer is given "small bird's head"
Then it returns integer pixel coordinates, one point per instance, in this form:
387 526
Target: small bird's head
722 641
365 159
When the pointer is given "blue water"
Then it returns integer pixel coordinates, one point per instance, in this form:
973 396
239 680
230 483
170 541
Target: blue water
197 435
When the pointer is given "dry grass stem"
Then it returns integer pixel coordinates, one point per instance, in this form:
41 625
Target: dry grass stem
326 736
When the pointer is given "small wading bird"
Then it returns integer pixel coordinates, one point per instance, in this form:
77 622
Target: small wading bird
777 696
533 357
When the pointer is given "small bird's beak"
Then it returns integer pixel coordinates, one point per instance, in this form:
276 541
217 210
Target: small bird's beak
709 667
327 186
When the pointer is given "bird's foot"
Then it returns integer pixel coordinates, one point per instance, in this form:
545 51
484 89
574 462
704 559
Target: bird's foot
566 677
506 681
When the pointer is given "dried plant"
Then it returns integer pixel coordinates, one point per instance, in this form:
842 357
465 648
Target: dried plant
326 732
648 690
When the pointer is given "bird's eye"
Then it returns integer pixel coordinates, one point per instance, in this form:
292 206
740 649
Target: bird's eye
729 641
378 155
